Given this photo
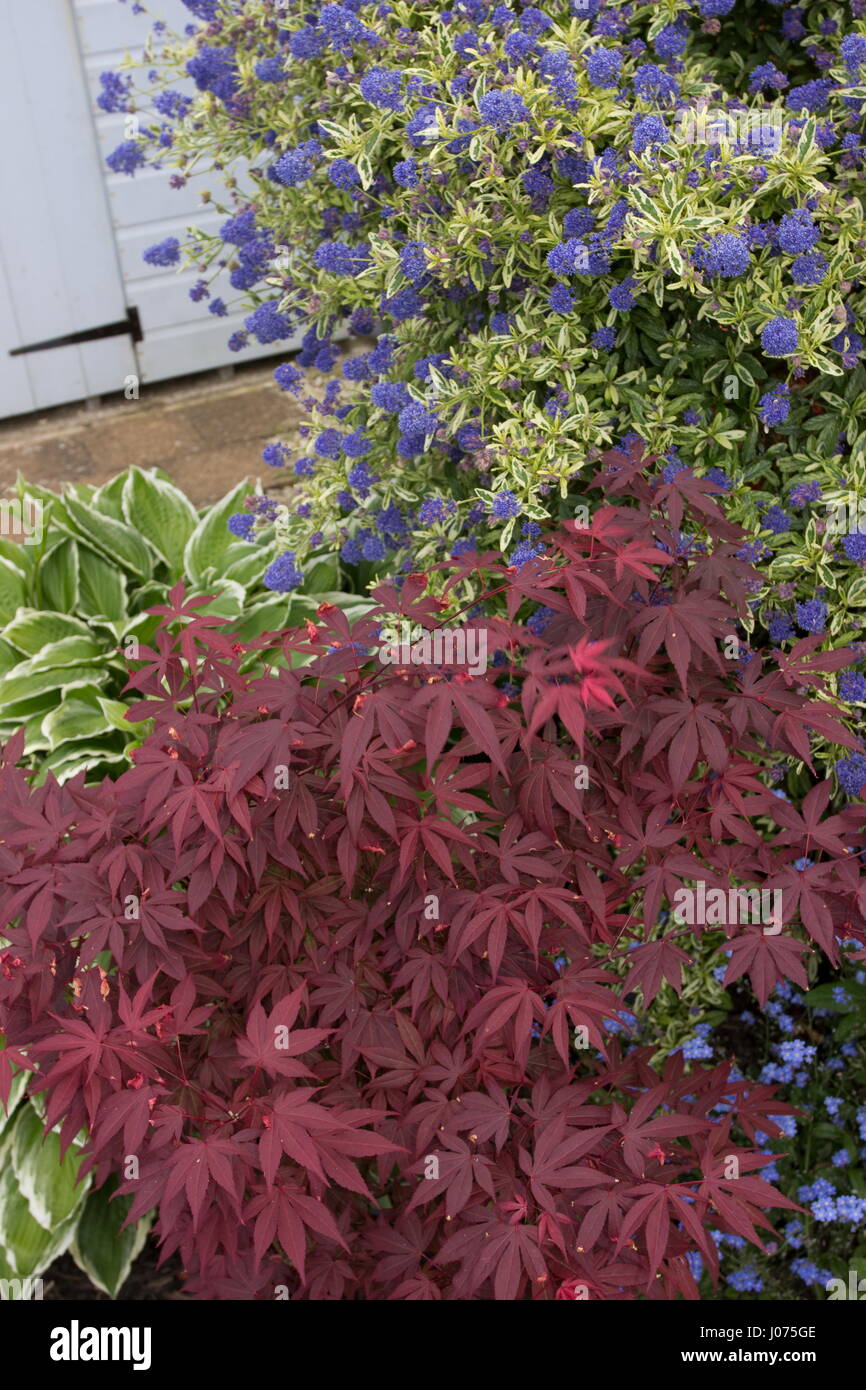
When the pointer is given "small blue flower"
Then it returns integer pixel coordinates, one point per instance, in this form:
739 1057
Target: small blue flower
775 405
809 269
854 546
851 772
561 300
621 296
851 686
436 510
811 615
502 110
381 88
797 232
652 83
780 338
343 174
603 339
649 131
603 67
745 1280
726 256
776 520
505 505
242 525
567 257
282 574
802 493
164 253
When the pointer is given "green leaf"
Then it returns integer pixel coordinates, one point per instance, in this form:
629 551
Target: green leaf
68 651
9 657
114 712
247 563
74 718
53 506
67 762
856 594
20 557
101 1249
26 1248
102 587
17 687
162 513
111 538
22 711
305 605
58 576
148 596
108 499
16 1093
34 739
822 996
850 1025
206 548
227 602
13 589
33 629
47 1182
269 616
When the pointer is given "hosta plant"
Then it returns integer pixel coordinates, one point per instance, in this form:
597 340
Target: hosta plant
46 1210
75 601
324 974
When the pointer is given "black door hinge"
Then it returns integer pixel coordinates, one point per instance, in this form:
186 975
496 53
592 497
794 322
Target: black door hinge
131 325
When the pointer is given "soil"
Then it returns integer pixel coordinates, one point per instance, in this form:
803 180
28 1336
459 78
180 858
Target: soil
206 431
65 1282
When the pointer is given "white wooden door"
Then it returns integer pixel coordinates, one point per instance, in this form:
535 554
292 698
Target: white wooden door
59 268
179 335
72 233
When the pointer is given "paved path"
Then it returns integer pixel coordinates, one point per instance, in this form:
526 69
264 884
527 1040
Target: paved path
207 432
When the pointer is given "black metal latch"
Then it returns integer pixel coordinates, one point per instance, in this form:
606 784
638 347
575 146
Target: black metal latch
131 325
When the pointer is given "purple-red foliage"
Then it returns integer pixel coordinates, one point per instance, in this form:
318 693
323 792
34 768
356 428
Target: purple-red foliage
287 1001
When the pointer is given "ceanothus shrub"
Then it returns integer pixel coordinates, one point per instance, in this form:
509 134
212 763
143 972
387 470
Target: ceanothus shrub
332 975
562 222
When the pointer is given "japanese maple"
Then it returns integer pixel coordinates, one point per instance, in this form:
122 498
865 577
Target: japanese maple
326 975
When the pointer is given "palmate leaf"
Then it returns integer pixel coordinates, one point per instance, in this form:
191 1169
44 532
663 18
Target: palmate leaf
767 959
693 619
246 894
266 1047
287 1215
652 964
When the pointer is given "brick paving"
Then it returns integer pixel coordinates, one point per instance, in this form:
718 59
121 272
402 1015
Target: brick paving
207 432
